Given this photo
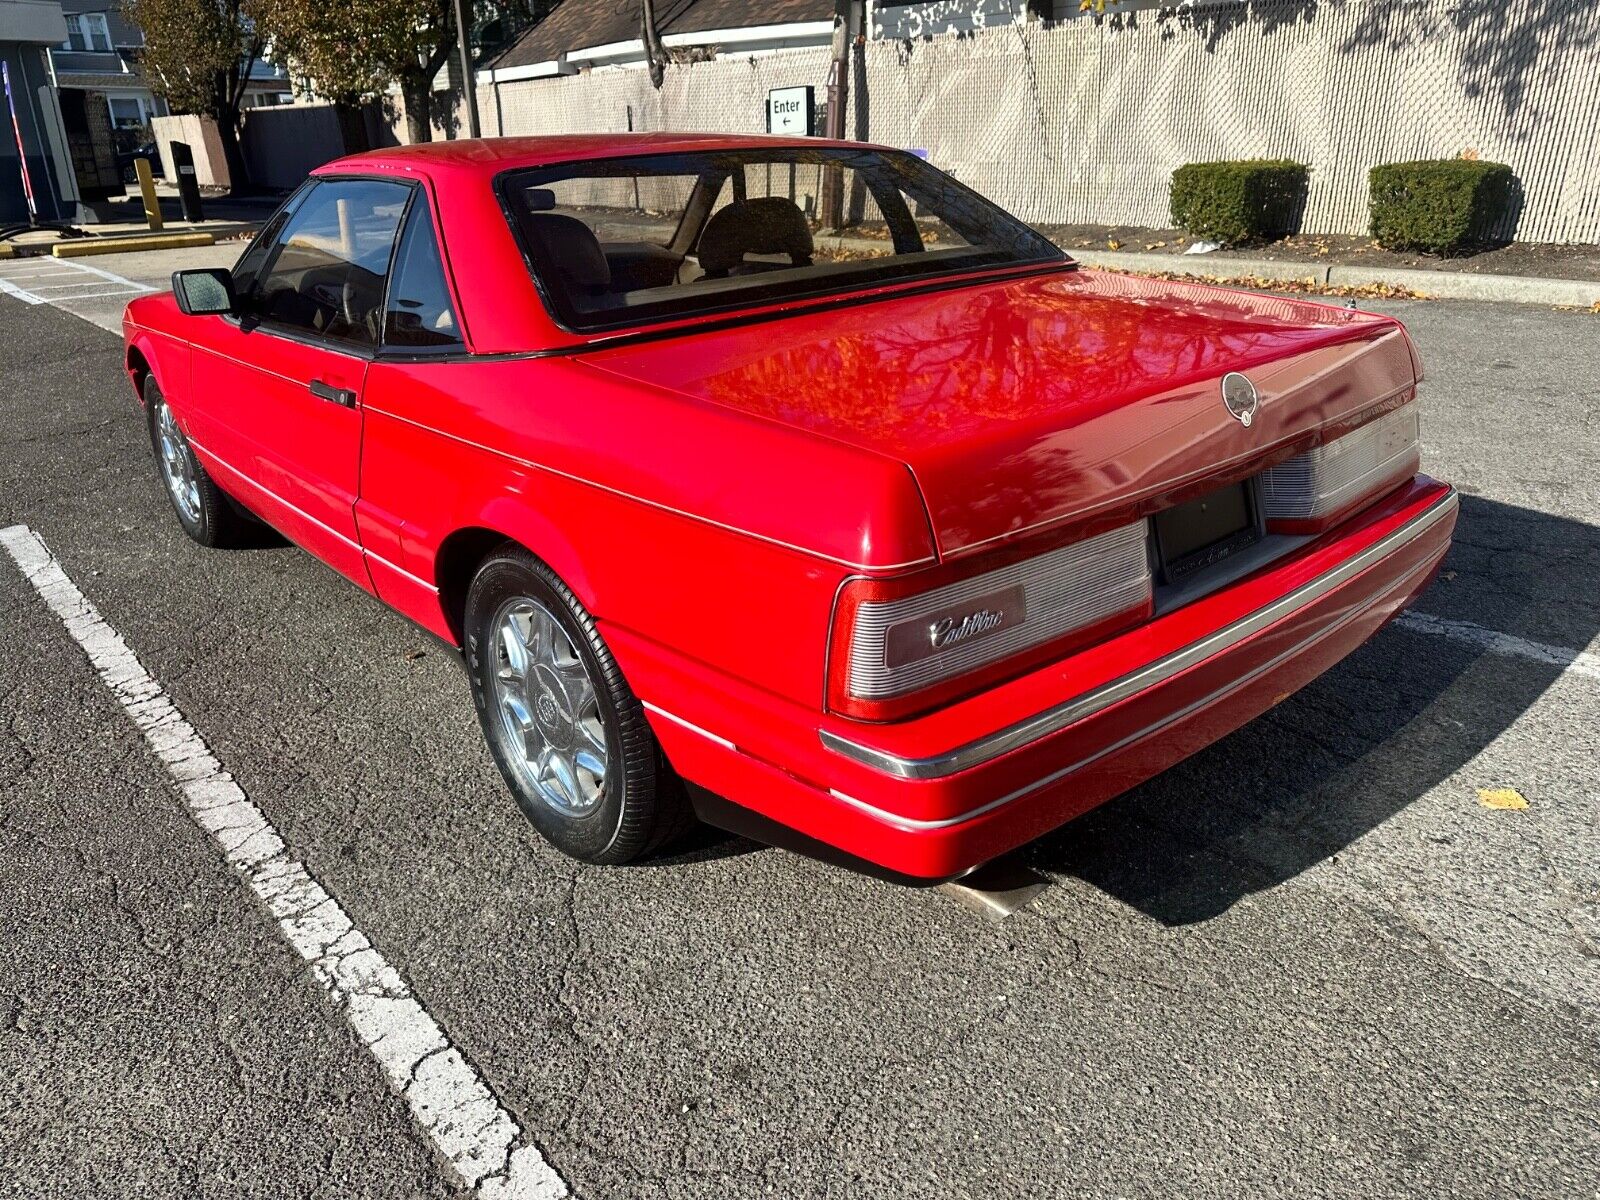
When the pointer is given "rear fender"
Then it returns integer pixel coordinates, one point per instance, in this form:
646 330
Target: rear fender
540 536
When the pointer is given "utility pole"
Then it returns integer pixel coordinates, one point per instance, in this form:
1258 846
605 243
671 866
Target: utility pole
468 83
831 202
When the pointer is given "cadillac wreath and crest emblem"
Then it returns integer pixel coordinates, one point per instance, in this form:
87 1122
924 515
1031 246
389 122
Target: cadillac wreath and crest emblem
1239 394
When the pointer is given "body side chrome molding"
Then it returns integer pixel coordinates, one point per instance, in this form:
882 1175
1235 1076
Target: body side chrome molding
401 571
300 512
1076 709
689 725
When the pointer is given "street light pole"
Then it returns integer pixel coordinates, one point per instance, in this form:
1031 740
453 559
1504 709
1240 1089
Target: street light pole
468 85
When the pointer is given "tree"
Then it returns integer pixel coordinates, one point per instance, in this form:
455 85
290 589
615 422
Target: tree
422 46
352 51
655 53
198 55
339 53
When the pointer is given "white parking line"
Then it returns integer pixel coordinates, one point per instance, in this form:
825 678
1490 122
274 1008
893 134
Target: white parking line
90 269
27 297
471 1130
66 268
92 282
1580 662
62 300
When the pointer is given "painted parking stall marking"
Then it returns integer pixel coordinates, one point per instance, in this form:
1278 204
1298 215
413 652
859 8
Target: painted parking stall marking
1579 662
449 1099
51 280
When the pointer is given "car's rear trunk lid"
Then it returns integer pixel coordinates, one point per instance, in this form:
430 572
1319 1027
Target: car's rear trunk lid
1036 402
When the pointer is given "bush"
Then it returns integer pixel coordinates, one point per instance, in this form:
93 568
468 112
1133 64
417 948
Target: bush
1443 206
1255 200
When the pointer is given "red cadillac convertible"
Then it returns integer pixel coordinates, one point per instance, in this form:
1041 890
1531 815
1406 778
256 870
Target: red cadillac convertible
903 548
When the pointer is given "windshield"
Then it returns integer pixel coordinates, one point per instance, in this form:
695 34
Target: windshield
621 241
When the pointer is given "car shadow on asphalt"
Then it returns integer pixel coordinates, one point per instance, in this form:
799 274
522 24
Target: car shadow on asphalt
1339 758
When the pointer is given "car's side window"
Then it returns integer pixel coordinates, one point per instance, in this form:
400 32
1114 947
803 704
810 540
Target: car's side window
265 242
419 315
325 274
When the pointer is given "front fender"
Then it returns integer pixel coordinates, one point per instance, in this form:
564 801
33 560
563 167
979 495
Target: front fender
149 347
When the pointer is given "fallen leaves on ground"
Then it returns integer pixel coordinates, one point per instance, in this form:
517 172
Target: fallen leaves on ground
1301 287
1508 799
847 254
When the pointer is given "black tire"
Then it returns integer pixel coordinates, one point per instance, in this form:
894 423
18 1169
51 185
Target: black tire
213 520
640 805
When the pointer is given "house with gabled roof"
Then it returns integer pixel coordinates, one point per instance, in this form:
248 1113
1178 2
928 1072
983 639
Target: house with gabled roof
580 34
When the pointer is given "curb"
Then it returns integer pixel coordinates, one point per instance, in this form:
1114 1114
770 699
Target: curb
221 230
1436 285
1441 285
113 245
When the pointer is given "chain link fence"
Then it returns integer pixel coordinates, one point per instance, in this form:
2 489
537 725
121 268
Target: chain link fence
1084 121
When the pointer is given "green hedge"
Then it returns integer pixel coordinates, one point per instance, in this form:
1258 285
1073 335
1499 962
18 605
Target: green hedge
1443 206
1255 200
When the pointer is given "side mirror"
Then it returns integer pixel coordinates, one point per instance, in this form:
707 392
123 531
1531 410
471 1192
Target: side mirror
204 291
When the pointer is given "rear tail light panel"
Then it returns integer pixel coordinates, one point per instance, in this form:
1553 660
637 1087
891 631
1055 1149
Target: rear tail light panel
897 652
904 645
1313 490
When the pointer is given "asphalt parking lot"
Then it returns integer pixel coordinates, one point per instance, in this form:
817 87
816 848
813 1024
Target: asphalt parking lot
1309 961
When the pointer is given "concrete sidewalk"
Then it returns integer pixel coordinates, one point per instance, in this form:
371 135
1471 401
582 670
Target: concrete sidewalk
1223 267
1439 285
43 241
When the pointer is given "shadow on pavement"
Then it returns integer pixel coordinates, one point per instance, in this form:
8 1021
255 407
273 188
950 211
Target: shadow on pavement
1337 759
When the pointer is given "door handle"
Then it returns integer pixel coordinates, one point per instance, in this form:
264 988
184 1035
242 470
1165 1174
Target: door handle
345 397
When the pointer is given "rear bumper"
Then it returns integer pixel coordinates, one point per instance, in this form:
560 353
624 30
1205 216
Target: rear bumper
932 797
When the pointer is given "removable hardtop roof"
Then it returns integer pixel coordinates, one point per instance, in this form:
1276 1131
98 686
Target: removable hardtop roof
490 156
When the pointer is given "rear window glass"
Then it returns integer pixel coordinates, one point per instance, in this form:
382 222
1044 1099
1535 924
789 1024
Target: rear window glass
623 241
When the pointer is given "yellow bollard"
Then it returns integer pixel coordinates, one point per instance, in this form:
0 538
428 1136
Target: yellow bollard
147 189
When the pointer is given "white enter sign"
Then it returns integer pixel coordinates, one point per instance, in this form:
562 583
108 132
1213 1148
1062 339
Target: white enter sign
790 111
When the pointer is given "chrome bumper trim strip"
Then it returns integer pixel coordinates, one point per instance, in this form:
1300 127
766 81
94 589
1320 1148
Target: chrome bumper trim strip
913 825
1076 709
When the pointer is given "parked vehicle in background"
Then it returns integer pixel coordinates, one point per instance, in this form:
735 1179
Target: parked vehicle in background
906 557
127 157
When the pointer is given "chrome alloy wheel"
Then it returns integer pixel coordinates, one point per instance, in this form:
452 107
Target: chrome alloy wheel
548 709
177 465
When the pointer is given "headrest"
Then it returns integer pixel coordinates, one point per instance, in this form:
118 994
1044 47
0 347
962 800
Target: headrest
766 225
569 247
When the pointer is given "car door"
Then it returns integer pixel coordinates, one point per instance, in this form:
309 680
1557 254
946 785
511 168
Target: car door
405 479
277 388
